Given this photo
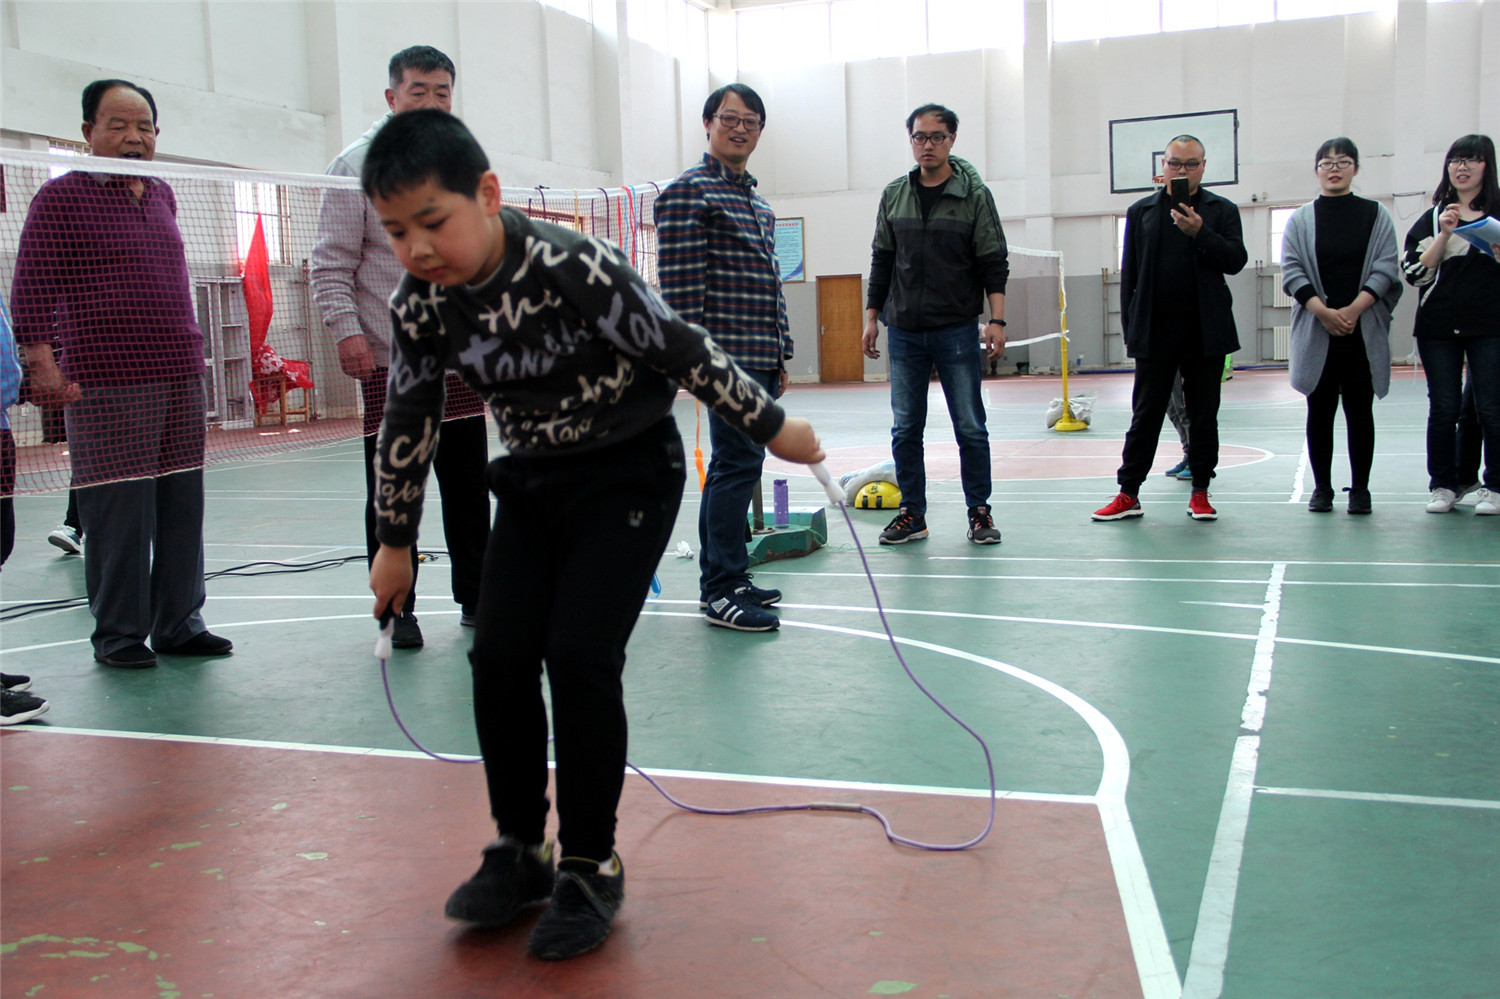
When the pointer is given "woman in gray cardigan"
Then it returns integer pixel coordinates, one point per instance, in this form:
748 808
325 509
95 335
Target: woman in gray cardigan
1338 260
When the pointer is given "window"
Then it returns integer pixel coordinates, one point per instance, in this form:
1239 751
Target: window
62 147
268 202
672 26
1279 219
1080 20
855 30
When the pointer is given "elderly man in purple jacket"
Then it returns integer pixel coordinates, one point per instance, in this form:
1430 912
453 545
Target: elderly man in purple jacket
101 268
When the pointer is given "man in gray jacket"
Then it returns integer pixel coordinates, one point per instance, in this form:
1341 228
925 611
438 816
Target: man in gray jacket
353 275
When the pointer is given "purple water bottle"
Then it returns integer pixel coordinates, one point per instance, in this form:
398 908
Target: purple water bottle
780 510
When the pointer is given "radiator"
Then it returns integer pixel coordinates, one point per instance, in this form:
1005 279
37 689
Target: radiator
1281 342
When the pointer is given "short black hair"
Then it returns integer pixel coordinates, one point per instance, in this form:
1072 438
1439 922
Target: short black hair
423 59
422 145
94 93
1472 147
949 119
1342 145
1185 138
747 94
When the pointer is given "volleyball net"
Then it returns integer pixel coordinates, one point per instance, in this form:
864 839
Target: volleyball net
229 254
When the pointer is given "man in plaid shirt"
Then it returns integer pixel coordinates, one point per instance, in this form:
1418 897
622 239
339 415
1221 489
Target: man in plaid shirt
717 263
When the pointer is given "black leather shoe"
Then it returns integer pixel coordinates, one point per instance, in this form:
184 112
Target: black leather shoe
135 656
1322 500
205 643
407 634
1359 501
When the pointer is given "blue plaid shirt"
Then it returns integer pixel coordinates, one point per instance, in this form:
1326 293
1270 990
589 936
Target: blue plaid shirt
716 258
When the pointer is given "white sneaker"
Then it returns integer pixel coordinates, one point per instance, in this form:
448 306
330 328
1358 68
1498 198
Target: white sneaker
67 539
1442 500
1487 502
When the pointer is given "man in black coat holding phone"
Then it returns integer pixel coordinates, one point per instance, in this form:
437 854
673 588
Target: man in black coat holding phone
1176 308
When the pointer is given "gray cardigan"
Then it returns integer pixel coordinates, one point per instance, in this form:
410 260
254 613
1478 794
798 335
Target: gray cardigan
1381 273
353 268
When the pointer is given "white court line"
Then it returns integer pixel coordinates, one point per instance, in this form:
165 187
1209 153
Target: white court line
1210 950
1267 562
1148 935
1384 799
1297 482
412 754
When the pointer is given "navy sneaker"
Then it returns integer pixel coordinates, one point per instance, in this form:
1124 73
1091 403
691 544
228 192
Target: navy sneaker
982 529
17 706
1177 469
729 611
750 594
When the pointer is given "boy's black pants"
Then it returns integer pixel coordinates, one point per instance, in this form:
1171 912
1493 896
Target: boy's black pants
569 564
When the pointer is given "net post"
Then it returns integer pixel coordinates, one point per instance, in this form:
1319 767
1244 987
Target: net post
1067 422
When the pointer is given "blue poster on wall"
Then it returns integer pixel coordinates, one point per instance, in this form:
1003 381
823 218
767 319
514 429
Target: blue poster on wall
789 250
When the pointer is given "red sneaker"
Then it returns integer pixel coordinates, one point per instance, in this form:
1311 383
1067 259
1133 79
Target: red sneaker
1198 507
1120 508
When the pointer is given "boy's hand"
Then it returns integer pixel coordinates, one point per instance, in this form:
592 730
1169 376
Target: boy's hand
391 578
796 442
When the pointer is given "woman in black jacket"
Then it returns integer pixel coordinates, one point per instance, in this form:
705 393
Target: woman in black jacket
1458 317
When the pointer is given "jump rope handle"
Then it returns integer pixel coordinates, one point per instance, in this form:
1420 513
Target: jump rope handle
387 628
835 495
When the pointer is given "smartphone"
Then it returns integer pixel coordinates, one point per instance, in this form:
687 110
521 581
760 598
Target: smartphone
1179 191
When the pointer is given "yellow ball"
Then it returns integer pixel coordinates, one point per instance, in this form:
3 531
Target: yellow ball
878 496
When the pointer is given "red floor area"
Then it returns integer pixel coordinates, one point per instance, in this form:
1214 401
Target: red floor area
132 867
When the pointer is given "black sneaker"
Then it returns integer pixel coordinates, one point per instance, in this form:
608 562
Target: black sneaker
907 526
1359 501
406 634
15 681
17 706
982 530
509 878
468 616
135 656
1321 500
584 903
749 594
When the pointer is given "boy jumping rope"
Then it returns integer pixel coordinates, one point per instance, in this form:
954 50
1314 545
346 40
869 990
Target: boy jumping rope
579 360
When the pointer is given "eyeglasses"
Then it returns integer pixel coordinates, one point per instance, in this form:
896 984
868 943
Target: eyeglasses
1184 164
1335 164
734 121
1465 161
936 138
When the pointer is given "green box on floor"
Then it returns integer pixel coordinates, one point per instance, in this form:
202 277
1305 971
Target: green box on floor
807 532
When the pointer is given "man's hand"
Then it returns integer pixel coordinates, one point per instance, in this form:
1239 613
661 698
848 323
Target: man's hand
869 338
1187 220
355 357
48 387
795 442
391 578
782 382
994 340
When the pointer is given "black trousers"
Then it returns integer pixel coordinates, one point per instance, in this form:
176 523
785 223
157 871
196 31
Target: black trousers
1346 375
458 467
1148 408
570 562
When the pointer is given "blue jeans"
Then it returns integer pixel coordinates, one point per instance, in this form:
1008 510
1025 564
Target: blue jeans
728 486
1444 359
954 350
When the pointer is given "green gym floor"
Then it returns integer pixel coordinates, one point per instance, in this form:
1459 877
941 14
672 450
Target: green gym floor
1256 758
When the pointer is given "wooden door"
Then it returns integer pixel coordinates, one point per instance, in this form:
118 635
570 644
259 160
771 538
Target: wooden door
841 321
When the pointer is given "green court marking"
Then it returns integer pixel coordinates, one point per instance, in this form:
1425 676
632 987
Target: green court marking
316 855
891 988
278 806
131 948
757 939
187 846
20 787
